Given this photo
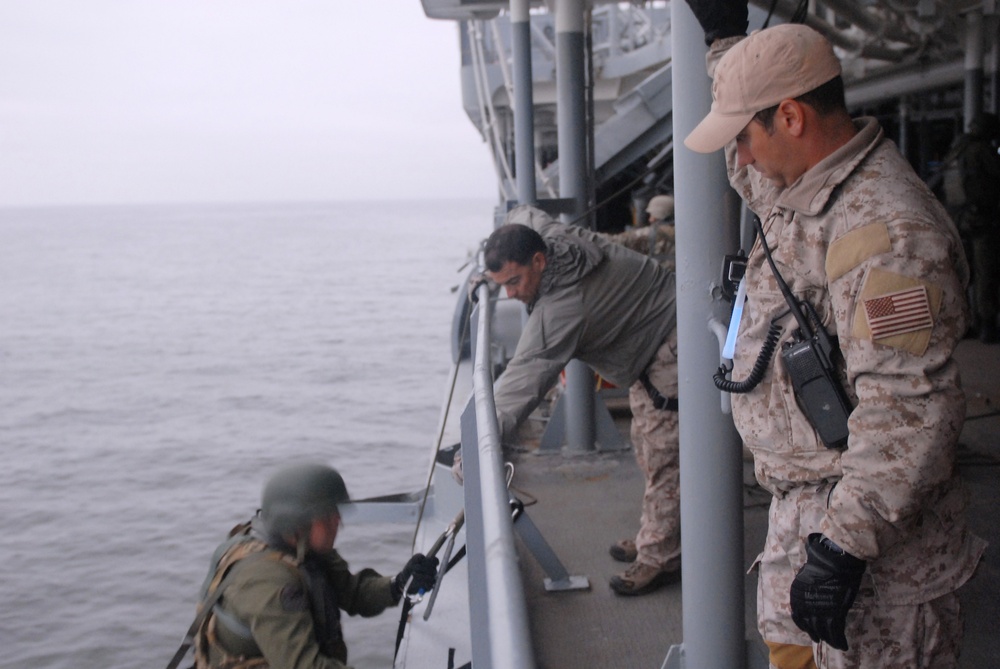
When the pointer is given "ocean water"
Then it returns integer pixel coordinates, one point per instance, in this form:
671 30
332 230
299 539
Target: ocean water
157 363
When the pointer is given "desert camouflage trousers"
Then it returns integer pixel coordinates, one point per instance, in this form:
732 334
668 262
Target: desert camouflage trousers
880 635
655 438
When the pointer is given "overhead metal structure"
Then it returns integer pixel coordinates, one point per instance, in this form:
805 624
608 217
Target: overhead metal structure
890 49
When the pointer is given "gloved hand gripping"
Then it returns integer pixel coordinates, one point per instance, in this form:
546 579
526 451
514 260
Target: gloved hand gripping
420 572
824 591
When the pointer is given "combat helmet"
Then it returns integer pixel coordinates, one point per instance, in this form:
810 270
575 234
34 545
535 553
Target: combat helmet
298 494
661 207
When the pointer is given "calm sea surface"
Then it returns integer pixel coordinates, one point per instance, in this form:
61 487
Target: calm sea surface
157 363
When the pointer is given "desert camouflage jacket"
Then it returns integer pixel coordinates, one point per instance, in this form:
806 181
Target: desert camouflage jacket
863 240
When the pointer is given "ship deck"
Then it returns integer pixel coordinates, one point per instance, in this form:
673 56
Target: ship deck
584 503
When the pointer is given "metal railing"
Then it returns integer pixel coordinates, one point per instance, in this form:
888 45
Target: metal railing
498 614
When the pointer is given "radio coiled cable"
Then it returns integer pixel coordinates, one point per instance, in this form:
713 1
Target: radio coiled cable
759 367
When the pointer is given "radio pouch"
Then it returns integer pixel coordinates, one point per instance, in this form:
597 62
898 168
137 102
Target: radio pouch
817 389
808 360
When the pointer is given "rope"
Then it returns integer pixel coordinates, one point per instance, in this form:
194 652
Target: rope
440 437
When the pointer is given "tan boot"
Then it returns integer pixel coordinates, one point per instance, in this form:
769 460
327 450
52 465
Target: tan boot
624 551
640 579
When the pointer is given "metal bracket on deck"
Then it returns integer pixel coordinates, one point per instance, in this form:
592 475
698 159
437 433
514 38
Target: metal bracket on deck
558 578
756 657
608 437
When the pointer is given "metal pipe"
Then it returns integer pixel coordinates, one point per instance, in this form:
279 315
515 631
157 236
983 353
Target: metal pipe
873 25
572 141
509 635
570 105
973 102
711 454
889 84
524 109
993 58
852 43
903 108
487 110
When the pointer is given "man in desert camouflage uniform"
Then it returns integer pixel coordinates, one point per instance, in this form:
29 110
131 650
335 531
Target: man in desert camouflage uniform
867 543
656 237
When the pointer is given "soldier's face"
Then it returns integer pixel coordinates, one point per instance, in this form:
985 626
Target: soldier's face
781 153
520 281
323 533
760 149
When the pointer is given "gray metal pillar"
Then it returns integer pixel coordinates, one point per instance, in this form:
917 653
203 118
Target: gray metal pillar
524 112
711 454
904 125
973 102
572 123
993 40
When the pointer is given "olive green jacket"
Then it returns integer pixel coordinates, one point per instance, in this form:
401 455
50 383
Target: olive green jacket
269 596
598 302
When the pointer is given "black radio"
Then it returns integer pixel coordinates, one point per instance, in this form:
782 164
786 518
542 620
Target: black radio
808 360
819 393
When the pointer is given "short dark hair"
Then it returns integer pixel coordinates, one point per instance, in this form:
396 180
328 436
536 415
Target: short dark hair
825 99
512 243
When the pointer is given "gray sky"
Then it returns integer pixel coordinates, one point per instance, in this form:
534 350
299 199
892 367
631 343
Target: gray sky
123 101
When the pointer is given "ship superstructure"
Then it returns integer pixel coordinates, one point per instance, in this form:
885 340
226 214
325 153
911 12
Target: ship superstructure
579 103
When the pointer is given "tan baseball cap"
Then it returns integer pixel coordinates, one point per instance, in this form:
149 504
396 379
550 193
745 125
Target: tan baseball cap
759 72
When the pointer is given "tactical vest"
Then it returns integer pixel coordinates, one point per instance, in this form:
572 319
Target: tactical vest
225 642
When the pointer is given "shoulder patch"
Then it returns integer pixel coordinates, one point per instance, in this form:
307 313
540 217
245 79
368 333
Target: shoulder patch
293 599
896 310
854 248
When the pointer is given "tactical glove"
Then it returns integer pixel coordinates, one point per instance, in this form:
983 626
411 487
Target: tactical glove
720 18
824 590
423 572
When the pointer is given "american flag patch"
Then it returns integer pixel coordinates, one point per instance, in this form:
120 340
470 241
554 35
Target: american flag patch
900 312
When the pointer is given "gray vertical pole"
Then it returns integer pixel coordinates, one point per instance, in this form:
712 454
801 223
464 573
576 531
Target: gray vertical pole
924 140
904 125
973 66
524 121
992 28
711 455
571 120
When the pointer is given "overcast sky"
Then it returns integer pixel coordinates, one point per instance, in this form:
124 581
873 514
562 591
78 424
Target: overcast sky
124 101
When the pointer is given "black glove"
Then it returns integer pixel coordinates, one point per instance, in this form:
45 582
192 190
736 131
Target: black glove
824 590
422 569
720 18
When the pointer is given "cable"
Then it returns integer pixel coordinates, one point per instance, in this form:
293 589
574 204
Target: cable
444 421
759 367
770 13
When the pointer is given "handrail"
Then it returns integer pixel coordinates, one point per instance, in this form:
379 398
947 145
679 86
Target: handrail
508 633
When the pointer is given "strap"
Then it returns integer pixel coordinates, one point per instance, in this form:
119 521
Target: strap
408 604
206 607
786 292
660 401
